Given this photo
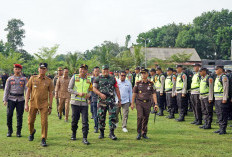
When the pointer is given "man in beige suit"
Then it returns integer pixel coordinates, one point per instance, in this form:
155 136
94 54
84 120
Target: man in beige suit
61 92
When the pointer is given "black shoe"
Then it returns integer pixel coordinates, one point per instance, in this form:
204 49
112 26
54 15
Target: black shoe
112 136
145 136
194 122
222 132
31 137
85 141
219 130
181 119
18 134
138 137
171 117
95 130
207 127
43 143
73 137
60 117
202 127
9 133
198 123
101 136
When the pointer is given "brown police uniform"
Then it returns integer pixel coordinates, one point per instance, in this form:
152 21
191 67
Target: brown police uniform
40 87
61 91
144 90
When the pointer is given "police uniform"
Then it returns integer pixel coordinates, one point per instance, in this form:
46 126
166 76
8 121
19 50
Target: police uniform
181 88
160 90
79 104
221 90
170 89
41 87
195 98
206 95
61 91
144 90
14 96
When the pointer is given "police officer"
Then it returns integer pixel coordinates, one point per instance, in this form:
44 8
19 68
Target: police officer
221 89
160 90
14 98
170 89
136 76
195 95
206 98
129 75
152 79
104 86
181 90
80 87
40 90
142 92
59 74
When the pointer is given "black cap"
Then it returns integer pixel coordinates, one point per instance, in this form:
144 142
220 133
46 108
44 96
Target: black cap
158 68
219 67
137 68
179 66
197 64
203 69
127 69
84 66
152 70
143 70
43 65
169 69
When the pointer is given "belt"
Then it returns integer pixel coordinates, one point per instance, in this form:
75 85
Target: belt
14 94
148 100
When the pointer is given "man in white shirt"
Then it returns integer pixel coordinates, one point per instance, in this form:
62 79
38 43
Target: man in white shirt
125 88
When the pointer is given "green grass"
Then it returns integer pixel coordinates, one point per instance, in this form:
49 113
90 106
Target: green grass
167 138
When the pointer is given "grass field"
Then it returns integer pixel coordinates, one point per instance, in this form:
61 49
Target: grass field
167 138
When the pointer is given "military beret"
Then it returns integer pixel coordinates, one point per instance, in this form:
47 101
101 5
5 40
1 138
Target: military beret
203 69
43 65
84 66
18 66
169 69
105 67
144 70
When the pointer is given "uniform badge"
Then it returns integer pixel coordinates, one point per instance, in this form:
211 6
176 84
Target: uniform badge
140 91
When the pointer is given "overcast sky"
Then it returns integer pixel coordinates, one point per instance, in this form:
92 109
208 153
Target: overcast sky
82 24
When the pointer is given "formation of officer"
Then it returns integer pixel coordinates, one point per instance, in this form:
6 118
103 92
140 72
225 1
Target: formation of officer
80 87
61 93
14 98
40 93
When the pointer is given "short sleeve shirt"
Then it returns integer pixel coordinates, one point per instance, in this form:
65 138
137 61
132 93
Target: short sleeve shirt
144 90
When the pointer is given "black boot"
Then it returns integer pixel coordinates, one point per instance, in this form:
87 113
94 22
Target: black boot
85 141
31 137
202 127
194 122
208 126
199 122
18 134
171 116
43 143
101 136
112 136
223 131
73 137
161 113
219 130
180 119
145 136
138 136
10 131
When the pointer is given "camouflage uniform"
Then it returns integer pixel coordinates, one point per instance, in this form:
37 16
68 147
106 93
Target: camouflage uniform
106 85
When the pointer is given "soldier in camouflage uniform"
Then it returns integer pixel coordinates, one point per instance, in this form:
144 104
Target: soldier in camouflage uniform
104 86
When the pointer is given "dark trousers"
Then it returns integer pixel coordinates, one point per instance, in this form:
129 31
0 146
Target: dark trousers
160 100
76 111
230 111
19 105
170 103
143 112
195 100
207 111
222 113
182 104
94 106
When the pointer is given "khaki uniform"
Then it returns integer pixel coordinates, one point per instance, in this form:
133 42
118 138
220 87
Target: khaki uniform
57 100
61 91
144 90
40 89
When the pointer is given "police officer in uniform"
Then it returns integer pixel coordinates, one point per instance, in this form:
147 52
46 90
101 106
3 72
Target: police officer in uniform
170 89
14 98
137 76
206 98
129 75
142 92
59 74
152 79
181 90
195 95
40 91
160 90
80 87
221 90
105 86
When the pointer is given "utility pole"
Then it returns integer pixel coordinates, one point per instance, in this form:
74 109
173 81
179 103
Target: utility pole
145 51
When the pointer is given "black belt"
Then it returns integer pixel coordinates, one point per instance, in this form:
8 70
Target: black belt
14 94
144 100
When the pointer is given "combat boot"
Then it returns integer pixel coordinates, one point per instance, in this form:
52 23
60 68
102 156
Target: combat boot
216 132
73 137
180 119
101 136
112 136
194 122
145 136
208 126
199 122
138 136
202 127
161 113
223 131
